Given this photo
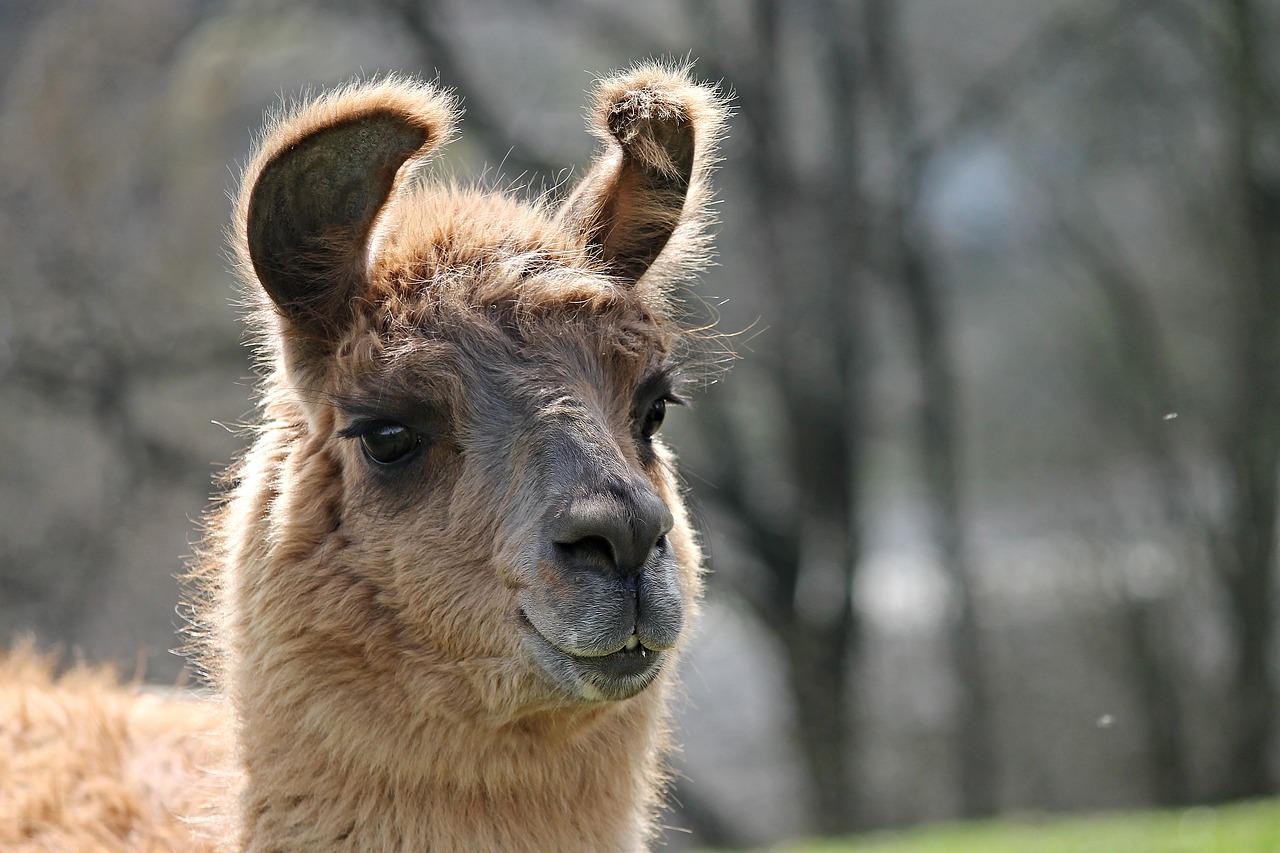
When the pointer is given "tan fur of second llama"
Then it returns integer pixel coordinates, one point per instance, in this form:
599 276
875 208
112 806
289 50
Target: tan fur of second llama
444 597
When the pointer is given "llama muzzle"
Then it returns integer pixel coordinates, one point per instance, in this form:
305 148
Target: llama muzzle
608 605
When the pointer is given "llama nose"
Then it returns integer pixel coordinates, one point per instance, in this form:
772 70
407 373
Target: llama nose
622 527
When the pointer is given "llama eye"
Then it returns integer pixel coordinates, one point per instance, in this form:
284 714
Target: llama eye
386 443
654 417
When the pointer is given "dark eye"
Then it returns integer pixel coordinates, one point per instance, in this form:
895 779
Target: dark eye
385 443
653 418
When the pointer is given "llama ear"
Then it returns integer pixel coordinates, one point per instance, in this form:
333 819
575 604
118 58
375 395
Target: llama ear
660 130
314 191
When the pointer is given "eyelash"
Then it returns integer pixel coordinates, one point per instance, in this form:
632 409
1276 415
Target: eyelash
384 442
652 417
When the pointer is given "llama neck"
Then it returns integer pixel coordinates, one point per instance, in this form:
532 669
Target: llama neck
578 780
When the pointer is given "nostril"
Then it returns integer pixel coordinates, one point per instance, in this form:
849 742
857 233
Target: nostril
615 530
588 549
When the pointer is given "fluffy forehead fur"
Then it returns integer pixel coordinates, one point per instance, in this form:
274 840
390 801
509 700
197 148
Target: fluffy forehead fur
464 276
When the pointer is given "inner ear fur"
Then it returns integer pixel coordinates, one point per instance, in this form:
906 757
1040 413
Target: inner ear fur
648 190
313 193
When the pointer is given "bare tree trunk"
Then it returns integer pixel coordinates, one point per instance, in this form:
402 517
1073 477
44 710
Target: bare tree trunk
825 640
818 658
811 246
1150 393
1144 622
1248 545
940 446
977 777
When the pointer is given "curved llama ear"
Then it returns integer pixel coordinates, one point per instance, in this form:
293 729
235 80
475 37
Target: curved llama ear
312 194
649 187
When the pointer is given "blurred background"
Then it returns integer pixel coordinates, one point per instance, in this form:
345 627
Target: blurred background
990 493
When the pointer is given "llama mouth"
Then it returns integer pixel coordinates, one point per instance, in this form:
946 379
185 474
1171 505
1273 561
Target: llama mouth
615 675
618 675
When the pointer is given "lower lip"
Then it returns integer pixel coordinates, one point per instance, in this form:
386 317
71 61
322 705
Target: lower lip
624 664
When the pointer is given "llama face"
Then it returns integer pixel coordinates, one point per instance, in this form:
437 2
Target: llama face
516 463
471 388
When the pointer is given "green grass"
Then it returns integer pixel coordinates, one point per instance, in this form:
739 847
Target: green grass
1245 828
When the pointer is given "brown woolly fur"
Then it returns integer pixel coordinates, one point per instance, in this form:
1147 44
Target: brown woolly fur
87 766
447 589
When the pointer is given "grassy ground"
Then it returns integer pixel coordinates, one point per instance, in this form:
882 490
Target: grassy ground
1247 828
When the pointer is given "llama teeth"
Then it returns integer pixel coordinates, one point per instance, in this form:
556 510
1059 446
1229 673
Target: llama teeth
632 642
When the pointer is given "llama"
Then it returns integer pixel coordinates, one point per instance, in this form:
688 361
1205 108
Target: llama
445 594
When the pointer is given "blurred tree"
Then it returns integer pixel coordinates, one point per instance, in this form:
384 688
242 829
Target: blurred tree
828 236
1087 37
813 221
1233 173
1239 419
912 263
1245 540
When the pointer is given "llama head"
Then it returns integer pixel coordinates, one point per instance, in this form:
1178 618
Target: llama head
465 504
